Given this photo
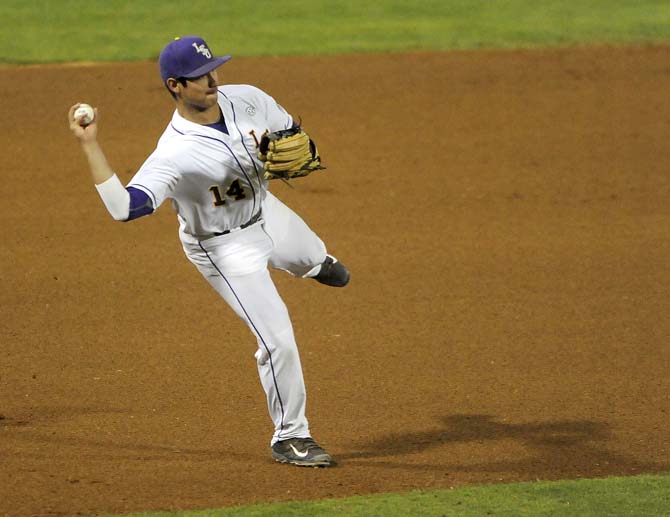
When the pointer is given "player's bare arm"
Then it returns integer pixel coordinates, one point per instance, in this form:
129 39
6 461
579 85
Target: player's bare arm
88 138
122 204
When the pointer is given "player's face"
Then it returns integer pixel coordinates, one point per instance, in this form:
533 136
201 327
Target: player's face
201 92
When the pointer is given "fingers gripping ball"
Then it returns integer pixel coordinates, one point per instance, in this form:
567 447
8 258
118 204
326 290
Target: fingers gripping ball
289 153
86 113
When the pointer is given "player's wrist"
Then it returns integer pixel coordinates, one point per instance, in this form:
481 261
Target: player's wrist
89 144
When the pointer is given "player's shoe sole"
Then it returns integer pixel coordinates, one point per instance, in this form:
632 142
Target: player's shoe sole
333 273
303 452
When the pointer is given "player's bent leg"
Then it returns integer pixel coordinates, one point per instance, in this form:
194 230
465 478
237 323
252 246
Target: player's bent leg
297 249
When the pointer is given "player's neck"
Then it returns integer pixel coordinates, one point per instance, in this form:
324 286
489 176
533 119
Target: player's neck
210 115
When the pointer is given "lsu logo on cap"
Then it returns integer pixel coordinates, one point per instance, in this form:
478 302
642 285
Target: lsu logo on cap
202 49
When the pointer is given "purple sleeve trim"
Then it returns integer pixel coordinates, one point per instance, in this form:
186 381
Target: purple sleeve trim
140 204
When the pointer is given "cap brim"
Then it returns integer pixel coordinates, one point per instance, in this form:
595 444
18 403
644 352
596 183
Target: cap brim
206 68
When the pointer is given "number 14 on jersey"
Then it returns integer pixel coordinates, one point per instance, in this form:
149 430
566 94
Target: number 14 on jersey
235 192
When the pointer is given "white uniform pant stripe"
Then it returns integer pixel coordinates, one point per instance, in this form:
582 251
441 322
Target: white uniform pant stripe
255 299
259 336
236 265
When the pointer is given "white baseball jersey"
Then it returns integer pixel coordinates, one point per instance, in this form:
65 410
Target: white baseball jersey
215 180
216 183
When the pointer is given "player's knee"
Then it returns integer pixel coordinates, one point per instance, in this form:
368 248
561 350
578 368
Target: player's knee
262 356
278 348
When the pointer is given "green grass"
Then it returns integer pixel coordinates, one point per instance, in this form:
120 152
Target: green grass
36 31
630 496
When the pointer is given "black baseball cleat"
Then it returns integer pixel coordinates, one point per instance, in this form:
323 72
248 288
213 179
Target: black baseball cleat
332 273
304 452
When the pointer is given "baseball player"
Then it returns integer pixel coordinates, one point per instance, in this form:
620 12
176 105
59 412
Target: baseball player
214 162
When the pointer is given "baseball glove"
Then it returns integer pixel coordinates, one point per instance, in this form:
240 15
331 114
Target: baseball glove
289 153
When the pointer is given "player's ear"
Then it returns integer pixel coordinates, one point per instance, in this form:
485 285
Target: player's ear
172 85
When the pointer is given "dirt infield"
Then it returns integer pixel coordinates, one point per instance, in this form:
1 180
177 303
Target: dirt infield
505 216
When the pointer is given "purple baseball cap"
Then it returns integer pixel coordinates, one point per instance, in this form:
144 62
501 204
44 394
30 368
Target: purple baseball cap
188 57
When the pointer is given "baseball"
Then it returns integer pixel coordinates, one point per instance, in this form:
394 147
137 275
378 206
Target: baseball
87 112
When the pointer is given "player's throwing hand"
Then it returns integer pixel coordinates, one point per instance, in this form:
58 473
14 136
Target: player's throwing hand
83 132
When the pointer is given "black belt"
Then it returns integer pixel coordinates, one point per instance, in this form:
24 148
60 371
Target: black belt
251 221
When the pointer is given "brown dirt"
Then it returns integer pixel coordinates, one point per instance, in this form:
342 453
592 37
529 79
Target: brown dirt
506 220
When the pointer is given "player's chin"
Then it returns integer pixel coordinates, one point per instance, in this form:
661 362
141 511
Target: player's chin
211 98
205 103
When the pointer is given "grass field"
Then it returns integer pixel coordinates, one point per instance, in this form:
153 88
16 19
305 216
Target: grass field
641 495
93 30
97 30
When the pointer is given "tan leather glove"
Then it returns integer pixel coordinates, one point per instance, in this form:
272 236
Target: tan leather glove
289 153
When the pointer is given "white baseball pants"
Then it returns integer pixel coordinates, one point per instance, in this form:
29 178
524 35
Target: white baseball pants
235 264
